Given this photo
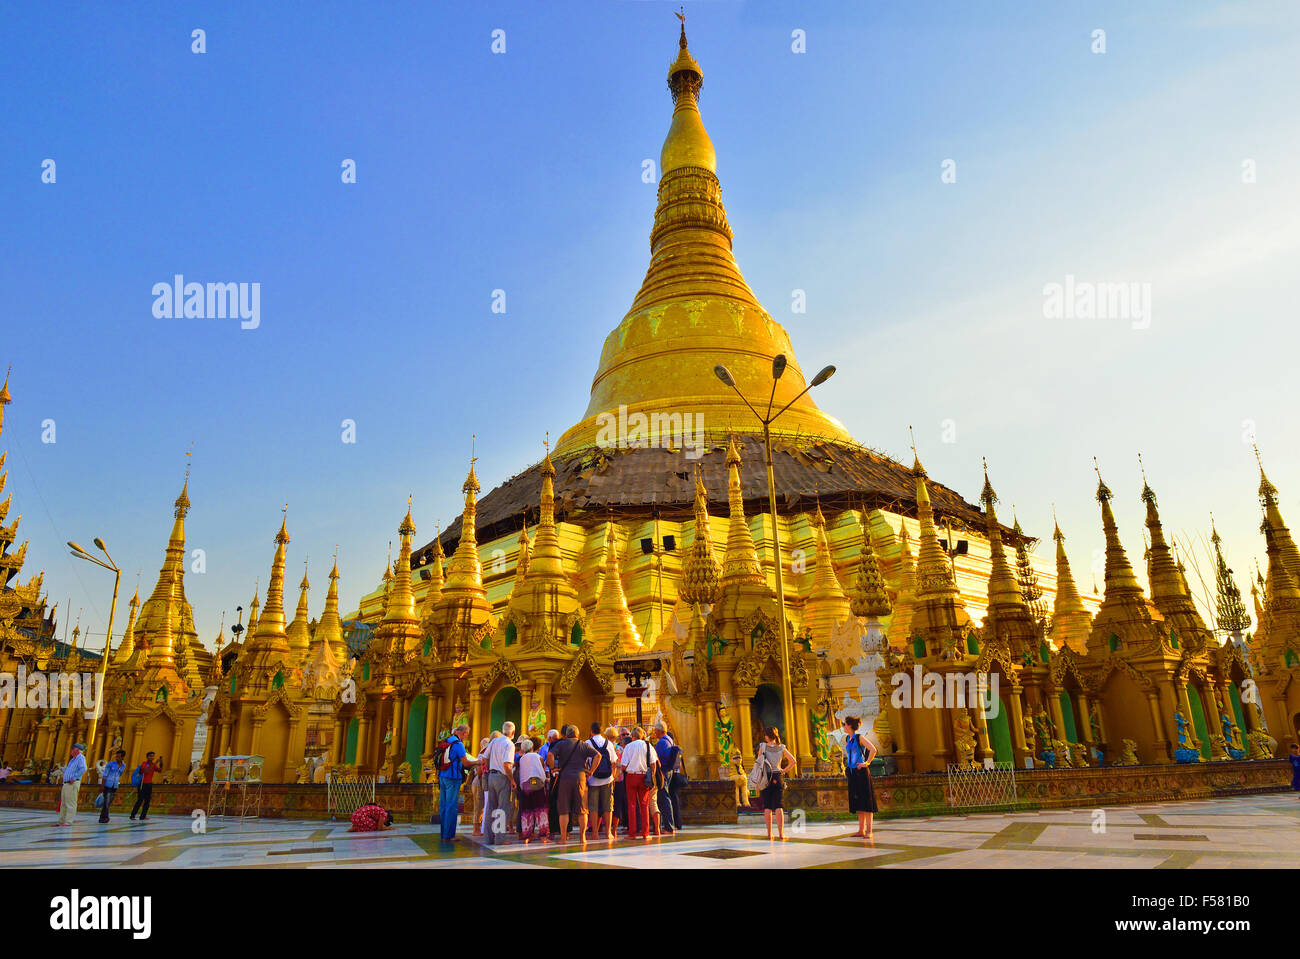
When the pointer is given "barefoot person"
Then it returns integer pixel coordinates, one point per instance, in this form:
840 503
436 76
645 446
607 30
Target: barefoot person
71 781
858 753
779 761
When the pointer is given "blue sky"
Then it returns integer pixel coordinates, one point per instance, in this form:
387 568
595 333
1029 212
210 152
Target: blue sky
522 171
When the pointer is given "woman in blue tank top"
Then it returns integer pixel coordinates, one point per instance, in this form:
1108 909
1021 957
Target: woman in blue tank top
858 753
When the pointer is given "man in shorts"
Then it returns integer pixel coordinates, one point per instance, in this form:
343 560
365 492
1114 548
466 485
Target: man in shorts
571 760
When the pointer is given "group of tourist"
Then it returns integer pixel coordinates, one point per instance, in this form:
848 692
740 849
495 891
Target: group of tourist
614 779
74 769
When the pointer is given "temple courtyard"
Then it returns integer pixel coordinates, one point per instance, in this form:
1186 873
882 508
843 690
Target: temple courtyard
1230 833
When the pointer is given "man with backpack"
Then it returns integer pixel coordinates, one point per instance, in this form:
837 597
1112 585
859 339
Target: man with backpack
600 784
142 780
450 760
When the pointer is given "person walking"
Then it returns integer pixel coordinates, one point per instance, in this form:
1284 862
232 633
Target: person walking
571 759
858 753
500 785
639 762
451 776
144 794
532 794
112 777
72 773
600 784
775 762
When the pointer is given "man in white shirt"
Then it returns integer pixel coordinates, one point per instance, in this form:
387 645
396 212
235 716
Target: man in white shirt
600 789
72 773
500 783
638 756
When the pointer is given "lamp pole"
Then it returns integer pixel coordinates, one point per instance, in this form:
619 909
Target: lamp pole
80 553
778 367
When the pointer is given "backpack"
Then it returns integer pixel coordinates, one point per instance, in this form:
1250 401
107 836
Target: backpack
444 759
137 777
605 769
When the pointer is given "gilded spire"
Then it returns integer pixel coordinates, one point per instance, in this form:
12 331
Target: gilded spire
297 633
826 606
1119 574
270 633
611 622
464 571
168 596
1004 589
740 560
1166 579
701 571
252 614
1231 611
869 599
545 561
934 572
329 630
1071 621
401 598
1268 499
126 648
521 564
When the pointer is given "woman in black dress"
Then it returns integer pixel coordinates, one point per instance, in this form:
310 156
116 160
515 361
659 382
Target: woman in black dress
858 753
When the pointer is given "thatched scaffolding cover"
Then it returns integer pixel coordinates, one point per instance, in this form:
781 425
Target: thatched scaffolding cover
591 487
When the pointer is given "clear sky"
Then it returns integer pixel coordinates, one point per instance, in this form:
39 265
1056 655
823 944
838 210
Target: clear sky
521 171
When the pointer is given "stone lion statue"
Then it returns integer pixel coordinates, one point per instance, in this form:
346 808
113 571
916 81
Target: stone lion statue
1079 753
1128 754
739 779
196 775
1262 745
404 774
1062 750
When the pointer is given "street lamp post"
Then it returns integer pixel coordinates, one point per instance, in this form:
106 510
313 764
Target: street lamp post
778 367
80 553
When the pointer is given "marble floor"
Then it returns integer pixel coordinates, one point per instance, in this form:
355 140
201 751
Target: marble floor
1241 832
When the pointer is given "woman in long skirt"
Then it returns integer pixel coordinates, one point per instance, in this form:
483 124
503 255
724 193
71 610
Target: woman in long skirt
858 753
532 795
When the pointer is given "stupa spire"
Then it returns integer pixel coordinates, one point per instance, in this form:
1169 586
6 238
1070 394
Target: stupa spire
1268 499
464 572
401 598
701 571
525 548
126 648
270 633
1071 621
826 606
740 560
869 599
329 630
611 622
933 571
298 632
1119 573
1231 612
1004 589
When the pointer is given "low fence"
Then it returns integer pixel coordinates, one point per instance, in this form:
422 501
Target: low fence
712 802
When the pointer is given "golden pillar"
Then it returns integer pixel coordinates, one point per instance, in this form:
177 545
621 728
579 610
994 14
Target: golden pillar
982 735
804 751
1157 720
941 750
744 695
476 723
363 735
1022 748
1086 732
1058 716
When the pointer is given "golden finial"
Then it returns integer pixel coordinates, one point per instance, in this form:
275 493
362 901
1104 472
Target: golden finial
917 468
283 536
1103 491
5 399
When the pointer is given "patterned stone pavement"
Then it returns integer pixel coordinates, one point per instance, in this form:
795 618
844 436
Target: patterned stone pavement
1238 832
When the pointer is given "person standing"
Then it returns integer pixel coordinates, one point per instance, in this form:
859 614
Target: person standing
571 759
777 761
476 786
858 753
72 773
620 781
668 752
1295 766
450 780
500 785
4 773
600 784
532 794
638 762
145 793
112 776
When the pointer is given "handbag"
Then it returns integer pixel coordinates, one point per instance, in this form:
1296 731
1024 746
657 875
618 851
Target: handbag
653 775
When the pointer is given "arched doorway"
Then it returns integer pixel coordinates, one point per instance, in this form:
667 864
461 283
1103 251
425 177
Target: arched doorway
507 706
767 710
416 719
